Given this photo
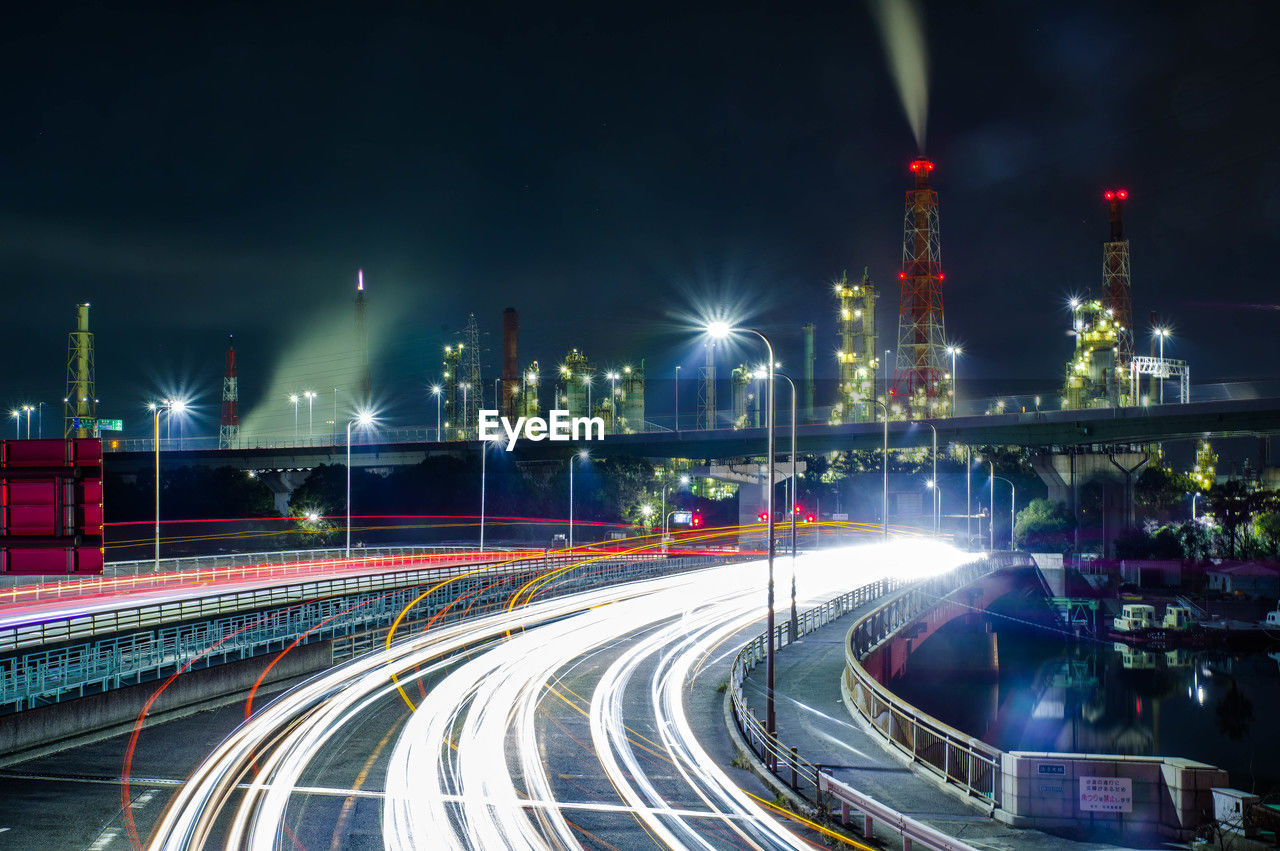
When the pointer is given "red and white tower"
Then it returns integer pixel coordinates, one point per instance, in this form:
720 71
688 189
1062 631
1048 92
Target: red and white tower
229 425
921 384
1116 294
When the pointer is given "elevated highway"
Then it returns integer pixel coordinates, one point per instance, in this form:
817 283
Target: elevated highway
1048 429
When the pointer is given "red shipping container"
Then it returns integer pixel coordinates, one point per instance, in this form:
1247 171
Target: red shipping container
30 562
87 451
36 453
88 560
91 519
33 491
32 520
90 492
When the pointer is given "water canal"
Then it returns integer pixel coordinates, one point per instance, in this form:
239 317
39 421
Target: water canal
1022 687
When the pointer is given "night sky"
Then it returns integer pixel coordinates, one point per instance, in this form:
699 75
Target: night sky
200 169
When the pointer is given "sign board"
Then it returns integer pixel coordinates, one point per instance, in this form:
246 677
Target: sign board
111 425
1051 768
1106 794
840 517
681 518
83 422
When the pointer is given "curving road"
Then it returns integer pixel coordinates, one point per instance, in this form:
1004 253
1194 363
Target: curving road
567 722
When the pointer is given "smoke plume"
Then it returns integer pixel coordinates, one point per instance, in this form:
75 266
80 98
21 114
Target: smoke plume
902 31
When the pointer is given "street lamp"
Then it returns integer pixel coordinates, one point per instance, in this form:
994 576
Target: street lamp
719 330
17 423
485 445
436 391
586 379
580 455
40 420
462 415
937 507
1194 497
293 397
884 465
362 419
794 623
1013 498
28 409
677 398
955 392
1161 334
684 480
311 398
172 406
936 488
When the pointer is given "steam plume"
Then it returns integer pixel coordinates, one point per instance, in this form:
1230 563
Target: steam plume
902 31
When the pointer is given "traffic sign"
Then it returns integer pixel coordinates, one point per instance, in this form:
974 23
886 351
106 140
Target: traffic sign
111 425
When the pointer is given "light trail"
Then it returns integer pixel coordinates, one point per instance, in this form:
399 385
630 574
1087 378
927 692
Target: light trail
475 766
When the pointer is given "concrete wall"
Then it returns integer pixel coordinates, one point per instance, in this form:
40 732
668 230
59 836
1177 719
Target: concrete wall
1171 796
48 728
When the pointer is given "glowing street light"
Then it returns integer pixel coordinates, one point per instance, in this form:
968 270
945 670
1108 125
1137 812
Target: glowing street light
436 390
1161 334
311 398
363 419
677 417
28 409
684 482
485 446
293 397
954 351
612 378
1013 498
719 330
17 423
580 455
172 406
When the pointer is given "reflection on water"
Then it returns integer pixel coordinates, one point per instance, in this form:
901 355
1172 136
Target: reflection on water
1025 689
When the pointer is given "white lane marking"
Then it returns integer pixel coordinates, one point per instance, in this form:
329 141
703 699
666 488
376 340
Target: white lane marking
104 839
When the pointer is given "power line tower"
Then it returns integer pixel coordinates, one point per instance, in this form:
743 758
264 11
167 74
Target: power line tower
919 380
229 425
80 405
1116 292
362 342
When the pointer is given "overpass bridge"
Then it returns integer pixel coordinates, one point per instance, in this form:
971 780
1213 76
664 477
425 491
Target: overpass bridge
1053 430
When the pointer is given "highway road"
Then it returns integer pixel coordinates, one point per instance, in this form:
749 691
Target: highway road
563 722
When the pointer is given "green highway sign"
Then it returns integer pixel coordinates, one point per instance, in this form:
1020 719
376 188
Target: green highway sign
111 425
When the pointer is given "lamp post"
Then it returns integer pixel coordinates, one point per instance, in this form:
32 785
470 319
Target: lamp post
1160 334
497 394
17 423
968 497
955 392
435 391
884 464
461 424
684 480
293 397
721 330
580 455
28 409
334 435
936 488
363 419
794 623
1194 497
887 374
40 420
171 406
311 398
937 502
677 398
586 379
1013 497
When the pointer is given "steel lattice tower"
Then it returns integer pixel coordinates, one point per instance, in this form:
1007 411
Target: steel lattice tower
1116 292
229 425
920 379
81 403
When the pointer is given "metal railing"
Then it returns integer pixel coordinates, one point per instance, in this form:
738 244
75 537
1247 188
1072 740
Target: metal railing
126 576
785 762
911 830
952 756
357 618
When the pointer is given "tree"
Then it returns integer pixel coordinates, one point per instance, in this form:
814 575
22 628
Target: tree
1045 526
1234 504
1266 527
1159 493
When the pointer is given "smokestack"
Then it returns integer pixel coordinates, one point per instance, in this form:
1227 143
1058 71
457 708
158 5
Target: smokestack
1116 288
81 406
808 372
510 362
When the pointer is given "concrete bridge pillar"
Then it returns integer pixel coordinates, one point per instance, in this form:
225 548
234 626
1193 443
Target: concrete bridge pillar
282 484
1065 473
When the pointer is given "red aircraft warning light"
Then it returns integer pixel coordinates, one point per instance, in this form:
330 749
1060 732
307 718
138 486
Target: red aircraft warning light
921 165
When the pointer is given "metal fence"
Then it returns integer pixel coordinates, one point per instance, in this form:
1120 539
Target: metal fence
361 616
122 576
800 774
953 756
